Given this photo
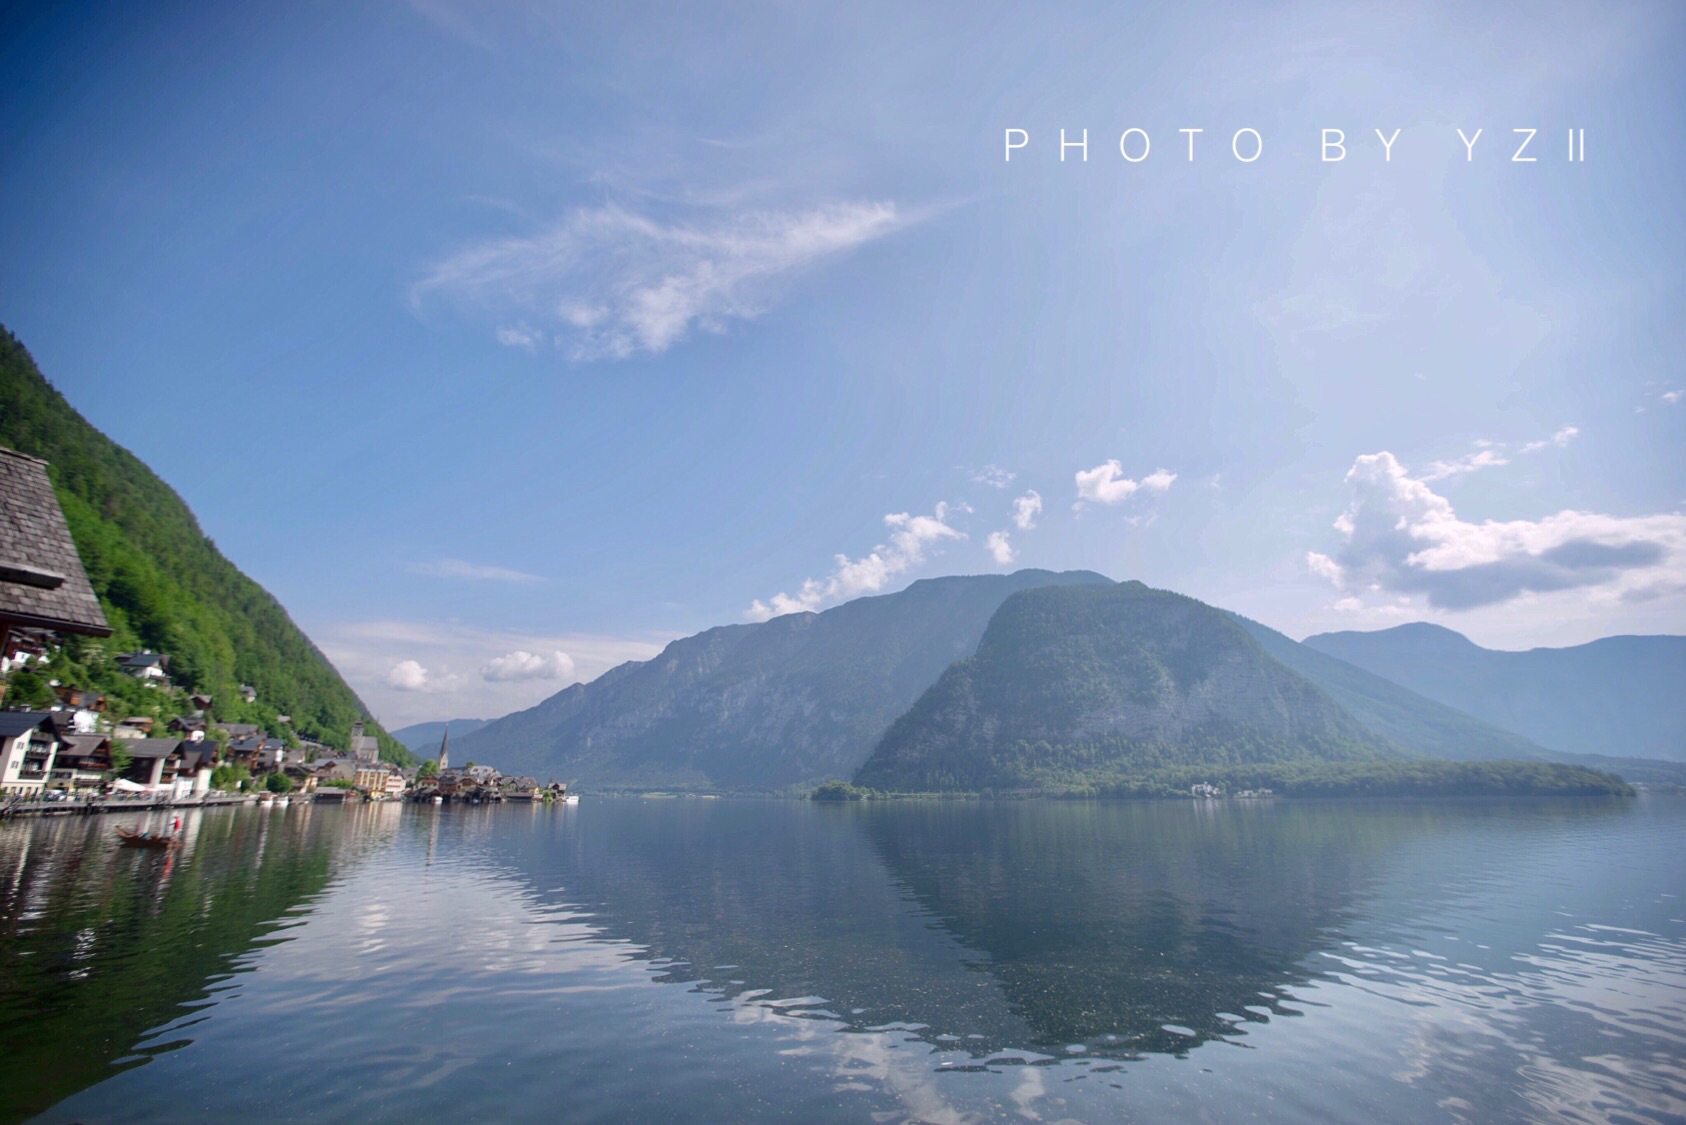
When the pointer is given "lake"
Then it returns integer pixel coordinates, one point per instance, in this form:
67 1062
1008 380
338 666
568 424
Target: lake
732 960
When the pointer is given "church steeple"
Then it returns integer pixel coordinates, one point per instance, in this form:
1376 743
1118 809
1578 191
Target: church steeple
444 756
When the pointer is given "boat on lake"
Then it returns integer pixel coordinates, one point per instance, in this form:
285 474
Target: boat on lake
133 839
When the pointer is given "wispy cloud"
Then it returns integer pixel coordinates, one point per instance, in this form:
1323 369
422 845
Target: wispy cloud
1107 484
1402 538
1489 454
472 572
1025 510
1560 439
1000 548
911 537
1462 466
994 476
611 283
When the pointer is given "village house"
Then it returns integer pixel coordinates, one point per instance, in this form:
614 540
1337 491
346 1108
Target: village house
81 763
248 693
191 727
135 726
85 707
302 775
28 743
259 753
43 588
150 667
239 731
200 703
170 767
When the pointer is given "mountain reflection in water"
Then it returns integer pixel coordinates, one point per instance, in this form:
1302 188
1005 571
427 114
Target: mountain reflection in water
906 961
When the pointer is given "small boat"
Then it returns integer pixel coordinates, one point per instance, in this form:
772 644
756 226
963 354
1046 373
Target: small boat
571 799
132 839
438 800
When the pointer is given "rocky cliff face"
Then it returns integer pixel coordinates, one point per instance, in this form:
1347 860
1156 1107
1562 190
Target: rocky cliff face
1082 683
757 707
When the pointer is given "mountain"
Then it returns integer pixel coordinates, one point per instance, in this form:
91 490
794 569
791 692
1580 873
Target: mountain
1620 696
423 738
1083 684
162 583
1395 713
766 706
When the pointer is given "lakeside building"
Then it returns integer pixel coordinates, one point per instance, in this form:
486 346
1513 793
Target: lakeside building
28 741
42 583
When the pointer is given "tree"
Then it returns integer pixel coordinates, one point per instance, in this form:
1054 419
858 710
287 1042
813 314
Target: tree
120 757
429 768
278 783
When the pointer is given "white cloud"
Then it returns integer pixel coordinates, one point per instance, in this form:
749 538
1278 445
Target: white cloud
1025 510
1473 462
1107 484
520 665
1000 548
1560 439
1671 397
519 336
410 675
910 538
1325 567
368 652
994 476
616 283
1402 538
472 572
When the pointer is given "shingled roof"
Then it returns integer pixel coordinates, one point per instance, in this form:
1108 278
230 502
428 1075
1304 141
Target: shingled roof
42 583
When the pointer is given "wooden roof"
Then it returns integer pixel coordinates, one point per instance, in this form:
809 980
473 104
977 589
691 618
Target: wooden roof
42 583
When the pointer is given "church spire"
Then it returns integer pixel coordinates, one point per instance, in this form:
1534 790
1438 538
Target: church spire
444 757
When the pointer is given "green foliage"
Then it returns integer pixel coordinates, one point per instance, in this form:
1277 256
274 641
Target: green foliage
1419 778
278 783
120 757
340 783
230 776
428 768
165 586
29 690
835 790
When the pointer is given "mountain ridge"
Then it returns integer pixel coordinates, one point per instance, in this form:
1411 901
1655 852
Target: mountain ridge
757 706
1617 696
1082 685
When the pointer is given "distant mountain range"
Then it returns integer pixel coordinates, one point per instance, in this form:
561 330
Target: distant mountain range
764 706
785 703
1085 684
423 738
1620 696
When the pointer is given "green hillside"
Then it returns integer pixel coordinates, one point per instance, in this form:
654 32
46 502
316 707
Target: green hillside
1080 687
164 585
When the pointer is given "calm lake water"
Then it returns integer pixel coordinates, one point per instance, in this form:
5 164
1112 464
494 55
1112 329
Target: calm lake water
741 960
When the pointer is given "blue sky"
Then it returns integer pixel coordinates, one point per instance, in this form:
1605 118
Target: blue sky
505 342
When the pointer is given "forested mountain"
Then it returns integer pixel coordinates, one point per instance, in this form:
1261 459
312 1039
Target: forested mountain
1620 696
781 703
1395 713
1085 685
162 583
